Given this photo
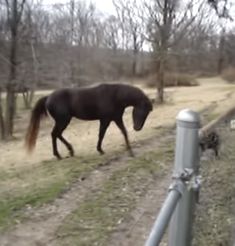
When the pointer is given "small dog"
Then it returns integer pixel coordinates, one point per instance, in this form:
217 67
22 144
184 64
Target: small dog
210 141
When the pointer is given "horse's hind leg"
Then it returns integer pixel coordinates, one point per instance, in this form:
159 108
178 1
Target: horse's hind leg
122 127
57 133
54 136
103 127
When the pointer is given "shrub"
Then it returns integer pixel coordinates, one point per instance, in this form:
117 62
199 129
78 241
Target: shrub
228 74
174 79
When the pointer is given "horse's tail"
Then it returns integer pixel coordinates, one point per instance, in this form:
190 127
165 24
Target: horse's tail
39 111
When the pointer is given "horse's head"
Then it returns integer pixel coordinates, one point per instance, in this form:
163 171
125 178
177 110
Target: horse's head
140 113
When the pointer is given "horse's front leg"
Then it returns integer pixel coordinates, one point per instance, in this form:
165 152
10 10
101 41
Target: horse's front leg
67 144
103 127
121 126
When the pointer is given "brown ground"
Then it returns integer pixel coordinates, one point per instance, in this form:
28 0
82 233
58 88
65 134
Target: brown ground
42 223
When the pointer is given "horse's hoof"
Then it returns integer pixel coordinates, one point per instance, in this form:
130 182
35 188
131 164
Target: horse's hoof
101 152
58 157
99 149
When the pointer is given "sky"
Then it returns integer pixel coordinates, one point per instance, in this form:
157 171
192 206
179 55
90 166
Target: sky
106 6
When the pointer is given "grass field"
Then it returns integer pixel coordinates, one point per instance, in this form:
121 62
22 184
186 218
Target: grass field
90 198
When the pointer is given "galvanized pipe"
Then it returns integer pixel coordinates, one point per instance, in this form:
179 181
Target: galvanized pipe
186 157
165 214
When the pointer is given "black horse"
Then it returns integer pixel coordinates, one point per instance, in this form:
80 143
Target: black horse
105 102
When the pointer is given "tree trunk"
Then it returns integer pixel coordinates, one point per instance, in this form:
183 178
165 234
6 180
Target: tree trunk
220 64
10 111
28 97
11 99
28 91
161 67
72 66
134 64
2 125
135 54
161 80
163 52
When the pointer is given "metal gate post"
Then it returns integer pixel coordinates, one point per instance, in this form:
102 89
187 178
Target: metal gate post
186 157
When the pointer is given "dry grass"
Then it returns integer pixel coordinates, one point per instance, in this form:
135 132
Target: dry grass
215 219
83 135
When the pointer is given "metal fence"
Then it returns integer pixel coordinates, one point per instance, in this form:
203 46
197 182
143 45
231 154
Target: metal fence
178 208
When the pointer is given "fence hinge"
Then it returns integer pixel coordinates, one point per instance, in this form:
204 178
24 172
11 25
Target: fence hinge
189 178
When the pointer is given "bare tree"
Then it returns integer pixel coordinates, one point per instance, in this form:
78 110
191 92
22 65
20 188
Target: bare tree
63 42
161 16
29 61
168 22
73 27
14 13
42 19
4 62
221 48
129 15
221 8
112 33
72 68
229 48
2 125
194 46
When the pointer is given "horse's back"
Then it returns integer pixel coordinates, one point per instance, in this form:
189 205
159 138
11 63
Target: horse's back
94 102
91 103
88 103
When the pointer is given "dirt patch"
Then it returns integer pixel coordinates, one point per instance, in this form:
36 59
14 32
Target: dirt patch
136 229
